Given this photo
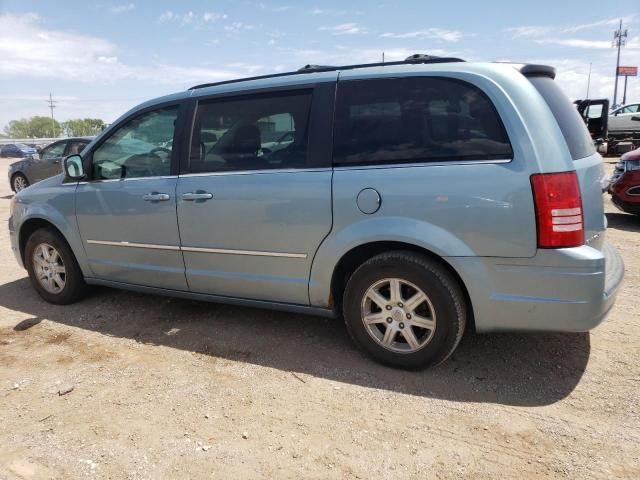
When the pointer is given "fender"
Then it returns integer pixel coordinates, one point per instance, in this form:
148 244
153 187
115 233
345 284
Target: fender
55 207
395 229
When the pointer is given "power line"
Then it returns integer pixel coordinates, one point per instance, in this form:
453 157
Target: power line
52 105
619 40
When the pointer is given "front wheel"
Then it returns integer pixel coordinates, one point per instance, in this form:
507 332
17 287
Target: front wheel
53 269
405 310
19 182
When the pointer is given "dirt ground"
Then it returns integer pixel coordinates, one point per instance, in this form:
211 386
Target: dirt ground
166 388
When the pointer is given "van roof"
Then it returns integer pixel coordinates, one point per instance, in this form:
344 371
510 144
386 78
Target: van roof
310 74
411 60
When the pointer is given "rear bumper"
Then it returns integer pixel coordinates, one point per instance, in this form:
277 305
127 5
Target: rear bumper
565 290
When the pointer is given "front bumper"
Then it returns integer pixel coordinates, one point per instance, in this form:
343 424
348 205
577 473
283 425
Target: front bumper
564 290
629 207
13 239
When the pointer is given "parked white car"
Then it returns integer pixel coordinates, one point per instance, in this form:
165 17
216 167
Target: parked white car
620 120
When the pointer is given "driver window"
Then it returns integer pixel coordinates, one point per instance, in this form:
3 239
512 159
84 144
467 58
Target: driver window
53 151
140 148
254 132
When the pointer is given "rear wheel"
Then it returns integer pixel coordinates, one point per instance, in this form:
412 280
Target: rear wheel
19 182
53 269
405 310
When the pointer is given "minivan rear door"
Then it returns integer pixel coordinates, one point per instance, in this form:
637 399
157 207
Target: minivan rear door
251 217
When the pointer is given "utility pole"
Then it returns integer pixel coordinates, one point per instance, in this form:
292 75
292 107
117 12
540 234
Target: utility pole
588 81
619 40
382 57
624 94
52 105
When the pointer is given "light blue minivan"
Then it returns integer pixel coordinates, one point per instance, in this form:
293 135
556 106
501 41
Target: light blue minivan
414 199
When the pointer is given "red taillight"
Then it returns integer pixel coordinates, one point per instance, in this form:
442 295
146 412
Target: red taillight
558 209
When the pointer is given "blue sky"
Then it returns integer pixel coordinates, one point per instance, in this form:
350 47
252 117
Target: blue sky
100 58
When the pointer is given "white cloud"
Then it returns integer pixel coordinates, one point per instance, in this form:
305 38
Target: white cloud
236 27
213 16
577 43
190 17
39 52
540 30
274 8
547 35
118 9
528 31
600 23
345 29
329 11
432 33
167 16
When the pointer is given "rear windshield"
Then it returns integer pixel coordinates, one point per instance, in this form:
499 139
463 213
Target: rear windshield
573 128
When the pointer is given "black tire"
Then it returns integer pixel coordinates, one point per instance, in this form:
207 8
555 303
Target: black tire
15 178
435 281
75 287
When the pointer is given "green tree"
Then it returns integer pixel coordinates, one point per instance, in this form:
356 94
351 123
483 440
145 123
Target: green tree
34 127
82 127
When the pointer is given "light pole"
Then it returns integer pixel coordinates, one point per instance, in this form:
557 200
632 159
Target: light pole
619 40
52 105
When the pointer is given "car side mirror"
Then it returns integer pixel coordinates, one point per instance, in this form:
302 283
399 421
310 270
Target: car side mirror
73 167
636 118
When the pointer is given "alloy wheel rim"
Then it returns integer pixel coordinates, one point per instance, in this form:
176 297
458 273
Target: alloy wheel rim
19 183
49 268
398 315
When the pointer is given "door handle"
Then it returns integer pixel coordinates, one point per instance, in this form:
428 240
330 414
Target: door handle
156 197
199 195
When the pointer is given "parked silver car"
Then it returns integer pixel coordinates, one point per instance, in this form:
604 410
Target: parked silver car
36 167
416 199
621 119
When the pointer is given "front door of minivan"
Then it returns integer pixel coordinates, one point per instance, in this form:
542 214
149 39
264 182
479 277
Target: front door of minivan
252 217
127 210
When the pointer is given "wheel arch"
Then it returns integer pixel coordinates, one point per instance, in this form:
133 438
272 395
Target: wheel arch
31 225
355 257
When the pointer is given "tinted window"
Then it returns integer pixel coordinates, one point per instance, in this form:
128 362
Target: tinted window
416 119
571 124
76 147
140 148
252 132
52 151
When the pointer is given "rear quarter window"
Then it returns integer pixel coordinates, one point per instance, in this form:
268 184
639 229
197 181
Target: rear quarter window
569 120
416 119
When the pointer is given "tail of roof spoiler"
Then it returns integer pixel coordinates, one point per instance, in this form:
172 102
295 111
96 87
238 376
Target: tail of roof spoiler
532 70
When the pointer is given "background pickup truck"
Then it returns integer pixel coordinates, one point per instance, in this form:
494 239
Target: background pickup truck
615 132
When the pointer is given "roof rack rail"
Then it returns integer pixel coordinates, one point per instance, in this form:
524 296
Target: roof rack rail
411 60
